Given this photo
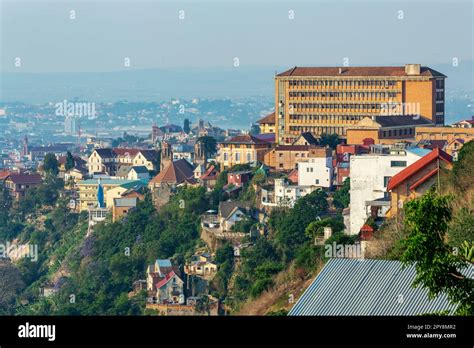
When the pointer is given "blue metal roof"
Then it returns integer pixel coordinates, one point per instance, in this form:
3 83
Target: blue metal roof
419 151
368 287
163 263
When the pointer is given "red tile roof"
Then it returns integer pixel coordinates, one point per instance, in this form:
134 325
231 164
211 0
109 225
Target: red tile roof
126 152
245 139
269 119
4 174
356 71
416 166
165 280
25 178
176 172
210 174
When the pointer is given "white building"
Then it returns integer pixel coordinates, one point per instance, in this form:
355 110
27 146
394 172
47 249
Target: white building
317 171
369 177
287 195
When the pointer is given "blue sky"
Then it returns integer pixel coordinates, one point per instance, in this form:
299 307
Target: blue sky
213 33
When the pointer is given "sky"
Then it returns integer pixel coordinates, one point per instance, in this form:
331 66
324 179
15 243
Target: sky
106 35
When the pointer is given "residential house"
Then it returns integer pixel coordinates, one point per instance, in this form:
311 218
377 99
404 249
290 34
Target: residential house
88 190
164 283
287 195
267 123
454 146
122 206
109 161
370 174
138 173
242 149
176 173
306 138
285 157
416 179
464 123
318 169
201 265
18 184
209 178
232 212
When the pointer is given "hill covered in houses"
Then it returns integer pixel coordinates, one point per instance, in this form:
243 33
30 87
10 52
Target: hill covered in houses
192 251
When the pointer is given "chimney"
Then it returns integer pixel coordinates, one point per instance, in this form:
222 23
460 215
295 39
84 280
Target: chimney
412 69
340 71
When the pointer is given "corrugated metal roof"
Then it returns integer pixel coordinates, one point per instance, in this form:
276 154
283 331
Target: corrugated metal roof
367 287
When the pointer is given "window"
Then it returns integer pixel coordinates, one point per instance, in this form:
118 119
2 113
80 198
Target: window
249 157
225 157
316 181
398 163
385 180
237 157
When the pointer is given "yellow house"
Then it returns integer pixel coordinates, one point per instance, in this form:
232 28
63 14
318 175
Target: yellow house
416 179
242 149
267 123
444 133
88 190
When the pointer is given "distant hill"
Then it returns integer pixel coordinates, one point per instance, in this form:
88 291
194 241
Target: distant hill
164 84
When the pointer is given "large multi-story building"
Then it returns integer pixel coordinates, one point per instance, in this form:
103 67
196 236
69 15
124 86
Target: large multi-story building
329 100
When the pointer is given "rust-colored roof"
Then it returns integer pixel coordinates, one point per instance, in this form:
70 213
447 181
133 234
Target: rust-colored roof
269 119
4 174
176 172
210 174
245 139
126 152
293 176
381 71
25 178
416 166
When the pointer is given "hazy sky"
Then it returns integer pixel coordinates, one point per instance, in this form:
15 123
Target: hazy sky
213 33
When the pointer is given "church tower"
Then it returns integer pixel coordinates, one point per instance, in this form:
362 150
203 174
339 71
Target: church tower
166 154
199 153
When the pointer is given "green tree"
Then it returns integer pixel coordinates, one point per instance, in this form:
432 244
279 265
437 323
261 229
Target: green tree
70 163
50 164
186 127
341 198
438 268
210 145
330 140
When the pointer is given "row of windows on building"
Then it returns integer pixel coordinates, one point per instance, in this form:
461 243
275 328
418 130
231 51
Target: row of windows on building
344 95
325 118
342 83
318 106
296 130
246 146
237 157
398 132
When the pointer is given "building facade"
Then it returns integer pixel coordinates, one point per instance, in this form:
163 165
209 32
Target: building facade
328 100
370 174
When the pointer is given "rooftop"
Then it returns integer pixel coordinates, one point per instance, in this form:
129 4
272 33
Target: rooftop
381 71
368 287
